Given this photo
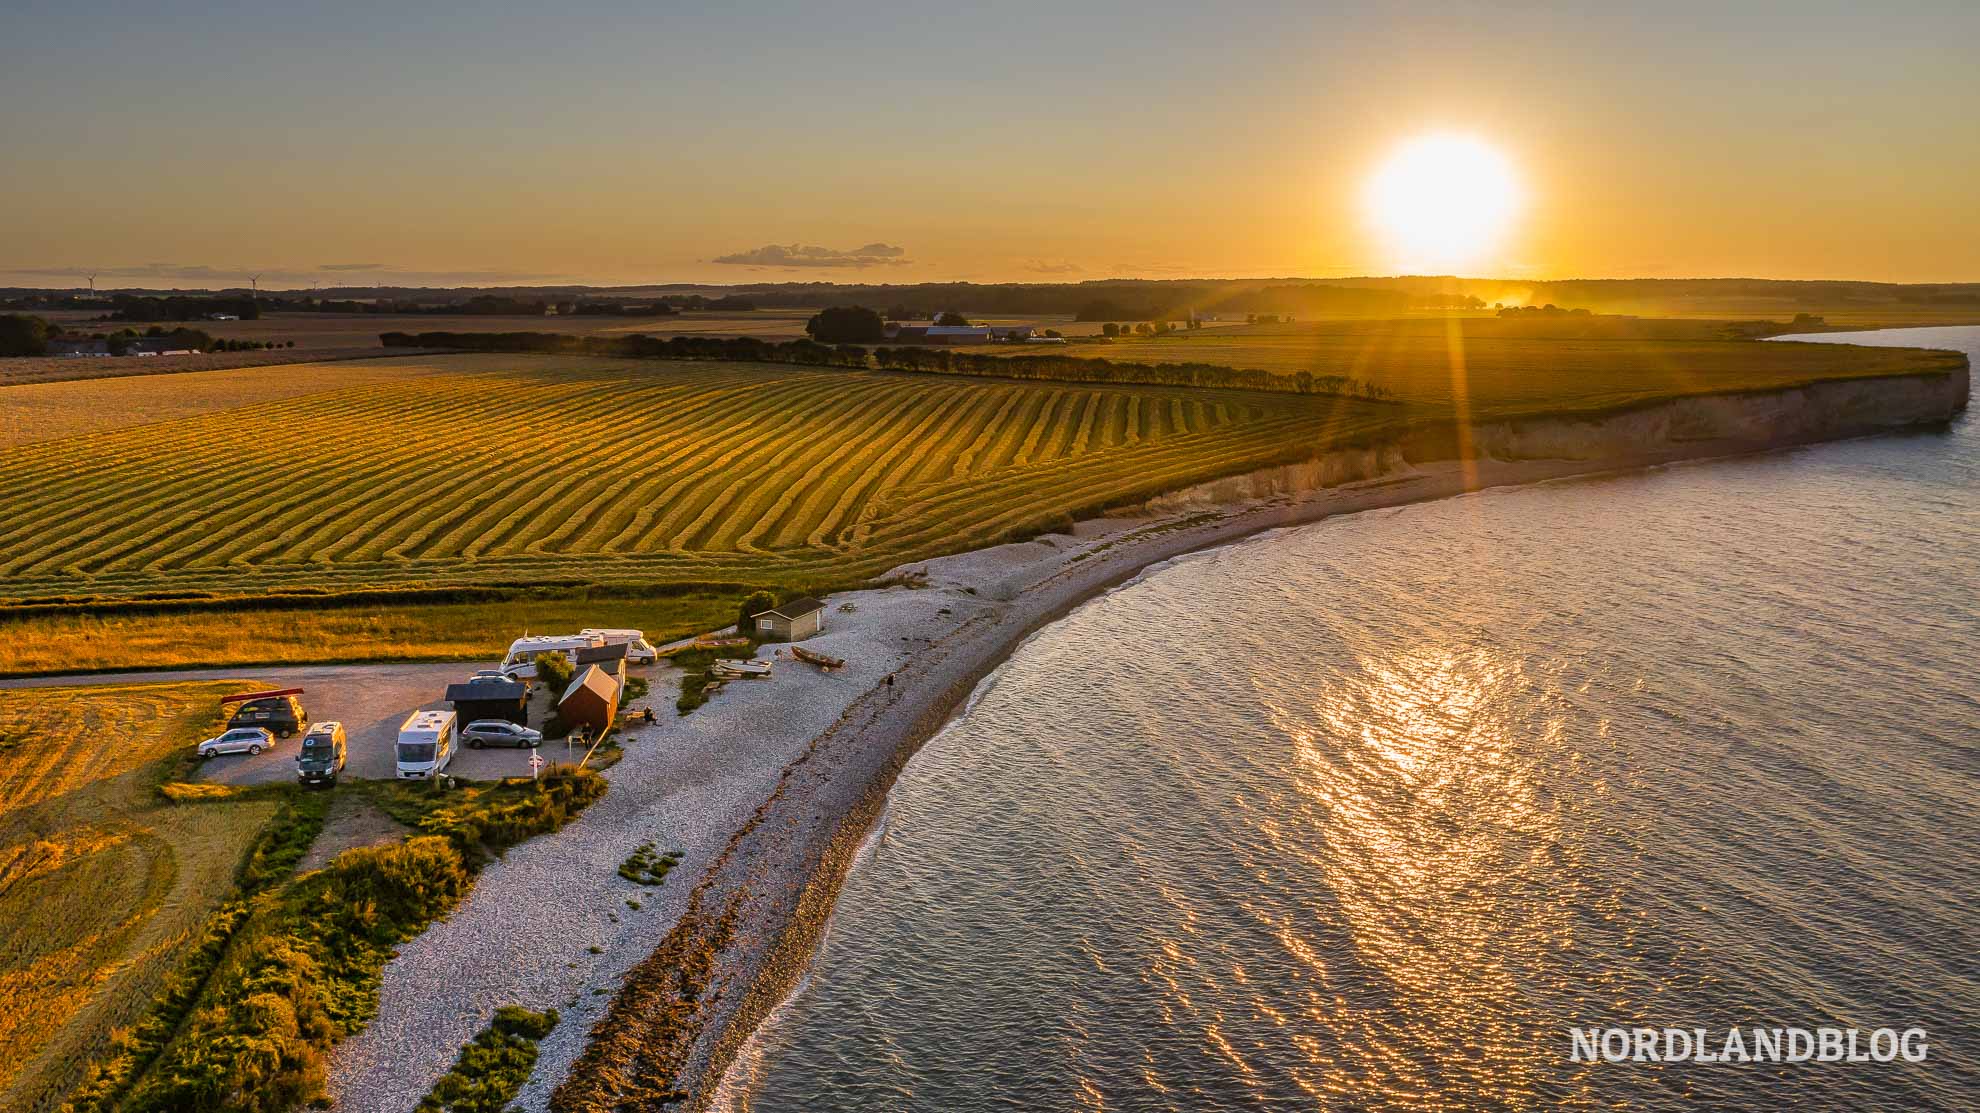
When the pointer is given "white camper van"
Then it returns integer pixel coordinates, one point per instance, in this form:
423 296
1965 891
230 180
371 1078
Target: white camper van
520 662
639 651
426 744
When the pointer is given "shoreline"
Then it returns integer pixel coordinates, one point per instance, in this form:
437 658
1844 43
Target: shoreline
754 919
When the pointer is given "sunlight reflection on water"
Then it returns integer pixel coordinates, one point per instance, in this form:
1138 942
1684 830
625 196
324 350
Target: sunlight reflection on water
1367 814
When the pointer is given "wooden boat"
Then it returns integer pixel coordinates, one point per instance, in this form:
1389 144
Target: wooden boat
723 666
822 660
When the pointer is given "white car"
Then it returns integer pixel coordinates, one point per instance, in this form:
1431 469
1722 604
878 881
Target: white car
240 740
499 732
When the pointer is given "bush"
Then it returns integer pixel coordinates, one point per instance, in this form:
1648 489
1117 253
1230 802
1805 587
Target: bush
756 604
554 671
492 1067
22 335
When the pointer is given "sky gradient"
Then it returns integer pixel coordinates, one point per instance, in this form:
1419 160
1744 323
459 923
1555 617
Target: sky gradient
188 144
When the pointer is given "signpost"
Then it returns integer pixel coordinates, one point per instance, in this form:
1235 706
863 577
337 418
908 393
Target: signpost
535 764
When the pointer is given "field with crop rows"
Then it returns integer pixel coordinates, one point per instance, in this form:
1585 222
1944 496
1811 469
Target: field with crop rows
520 470
103 884
1507 367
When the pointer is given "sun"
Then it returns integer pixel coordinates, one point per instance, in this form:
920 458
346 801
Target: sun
1443 201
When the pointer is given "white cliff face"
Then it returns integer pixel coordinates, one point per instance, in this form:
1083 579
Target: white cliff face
1696 426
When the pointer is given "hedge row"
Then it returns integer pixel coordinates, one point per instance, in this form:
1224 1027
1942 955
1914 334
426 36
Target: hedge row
942 361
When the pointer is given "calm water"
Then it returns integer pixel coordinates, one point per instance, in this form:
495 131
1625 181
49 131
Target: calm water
1369 813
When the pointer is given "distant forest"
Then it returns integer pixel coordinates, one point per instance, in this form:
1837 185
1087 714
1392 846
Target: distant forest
1098 300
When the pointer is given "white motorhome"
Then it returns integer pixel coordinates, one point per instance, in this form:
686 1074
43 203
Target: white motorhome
639 651
520 661
426 744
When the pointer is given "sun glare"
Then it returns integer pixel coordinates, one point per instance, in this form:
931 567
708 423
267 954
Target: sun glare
1443 202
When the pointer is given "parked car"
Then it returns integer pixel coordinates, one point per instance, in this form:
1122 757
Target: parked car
281 715
323 754
238 740
488 674
499 732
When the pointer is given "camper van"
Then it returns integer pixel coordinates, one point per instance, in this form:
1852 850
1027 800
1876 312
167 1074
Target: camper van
426 744
639 651
520 661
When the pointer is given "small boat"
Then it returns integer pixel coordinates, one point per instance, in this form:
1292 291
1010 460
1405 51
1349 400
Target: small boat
822 660
723 666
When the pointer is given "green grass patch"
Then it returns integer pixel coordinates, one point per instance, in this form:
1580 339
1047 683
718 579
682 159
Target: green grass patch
647 866
695 680
295 966
493 1066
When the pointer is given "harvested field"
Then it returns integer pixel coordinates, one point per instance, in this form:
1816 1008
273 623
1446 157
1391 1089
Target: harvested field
527 470
1506 367
104 884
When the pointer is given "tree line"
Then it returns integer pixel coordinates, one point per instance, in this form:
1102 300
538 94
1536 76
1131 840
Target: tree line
926 360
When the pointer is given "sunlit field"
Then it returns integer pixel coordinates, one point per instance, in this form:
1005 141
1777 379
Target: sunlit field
103 882
1507 367
523 470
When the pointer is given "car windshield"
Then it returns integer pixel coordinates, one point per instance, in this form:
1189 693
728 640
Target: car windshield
316 746
415 752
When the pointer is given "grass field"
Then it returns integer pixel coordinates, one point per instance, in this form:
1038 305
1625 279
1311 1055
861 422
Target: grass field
1504 367
674 487
103 883
520 470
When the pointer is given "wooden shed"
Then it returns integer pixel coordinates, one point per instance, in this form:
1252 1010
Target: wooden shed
592 701
790 622
507 700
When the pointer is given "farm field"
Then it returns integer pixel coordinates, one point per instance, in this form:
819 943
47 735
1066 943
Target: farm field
104 884
1508 367
479 470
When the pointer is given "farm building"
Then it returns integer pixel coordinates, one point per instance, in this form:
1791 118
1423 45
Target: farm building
790 622
592 700
160 346
1012 332
939 334
78 347
490 699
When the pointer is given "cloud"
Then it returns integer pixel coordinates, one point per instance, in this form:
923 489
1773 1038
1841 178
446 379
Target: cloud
804 255
355 267
1040 266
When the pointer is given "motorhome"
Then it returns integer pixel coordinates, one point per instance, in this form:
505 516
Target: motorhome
325 750
520 661
639 651
426 744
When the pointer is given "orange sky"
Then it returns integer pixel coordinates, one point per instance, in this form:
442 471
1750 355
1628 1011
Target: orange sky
512 143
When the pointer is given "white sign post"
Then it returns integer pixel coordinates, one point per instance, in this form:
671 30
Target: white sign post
535 764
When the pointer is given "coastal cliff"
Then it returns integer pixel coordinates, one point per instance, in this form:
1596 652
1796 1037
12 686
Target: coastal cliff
755 918
1682 428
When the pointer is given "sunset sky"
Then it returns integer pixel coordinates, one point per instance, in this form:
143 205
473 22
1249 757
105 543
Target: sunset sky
188 144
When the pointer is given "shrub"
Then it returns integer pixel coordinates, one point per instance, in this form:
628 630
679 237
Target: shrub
756 604
554 671
493 1066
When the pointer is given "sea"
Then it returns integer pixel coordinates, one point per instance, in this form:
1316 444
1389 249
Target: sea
1459 806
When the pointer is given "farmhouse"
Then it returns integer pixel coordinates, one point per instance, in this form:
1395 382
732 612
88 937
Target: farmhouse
159 346
489 698
1012 332
790 622
592 700
78 348
939 334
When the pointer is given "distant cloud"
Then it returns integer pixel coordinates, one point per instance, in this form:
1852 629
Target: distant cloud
804 255
354 267
1040 266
